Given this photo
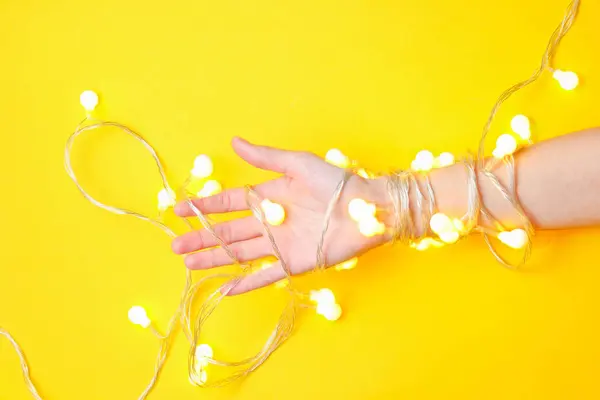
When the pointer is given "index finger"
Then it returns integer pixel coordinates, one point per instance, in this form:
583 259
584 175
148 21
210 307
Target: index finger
226 201
232 199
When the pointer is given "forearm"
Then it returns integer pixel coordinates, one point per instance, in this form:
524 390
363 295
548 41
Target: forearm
558 184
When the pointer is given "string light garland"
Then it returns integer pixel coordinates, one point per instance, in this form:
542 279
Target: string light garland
437 229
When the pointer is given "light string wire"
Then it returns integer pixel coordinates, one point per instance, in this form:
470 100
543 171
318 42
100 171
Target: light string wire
486 168
401 183
546 64
399 186
184 313
24 365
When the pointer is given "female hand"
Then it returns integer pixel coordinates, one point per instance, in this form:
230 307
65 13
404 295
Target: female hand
305 191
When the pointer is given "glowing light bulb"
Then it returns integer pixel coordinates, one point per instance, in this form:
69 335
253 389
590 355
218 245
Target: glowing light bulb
567 80
441 223
423 161
137 315
282 283
437 243
444 160
203 377
516 239
210 188
365 174
337 158
199 377
203 167
449 237
274 213
426 243
266 265
348 264
166 199
521 126
203 353
370 227
505 145
423 244
360 209
331 311
89 100
458 225
322 296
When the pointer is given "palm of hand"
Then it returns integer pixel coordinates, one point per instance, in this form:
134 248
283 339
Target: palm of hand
305 192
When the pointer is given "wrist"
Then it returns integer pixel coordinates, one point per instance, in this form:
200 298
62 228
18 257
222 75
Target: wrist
449 186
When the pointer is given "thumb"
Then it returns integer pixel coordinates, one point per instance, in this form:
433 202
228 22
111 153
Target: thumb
265 157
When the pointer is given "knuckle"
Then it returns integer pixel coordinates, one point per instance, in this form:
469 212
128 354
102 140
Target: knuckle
238 252
212 259
224 232
225 200
199 240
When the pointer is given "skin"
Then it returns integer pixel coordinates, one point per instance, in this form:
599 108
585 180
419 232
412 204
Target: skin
558 184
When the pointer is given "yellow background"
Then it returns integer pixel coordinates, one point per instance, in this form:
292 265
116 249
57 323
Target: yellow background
378 79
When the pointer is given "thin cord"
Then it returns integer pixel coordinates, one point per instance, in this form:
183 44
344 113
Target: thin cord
404 230
24 366
558 34
321 260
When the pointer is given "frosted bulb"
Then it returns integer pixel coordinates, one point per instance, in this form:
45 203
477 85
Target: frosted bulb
516 239
370 227
266 265
360 209
274 213
322 296
203 377
521 126
426 243
441 223
337 158
203 167
200 377
331 311
137 315
449 237
445 159
364 173
203 352
458 225
210 188
423 244
89 100
166 199
505 145
348 264
424 161
567 80
436 243
282 283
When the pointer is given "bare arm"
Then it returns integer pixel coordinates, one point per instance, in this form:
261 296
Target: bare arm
558 184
